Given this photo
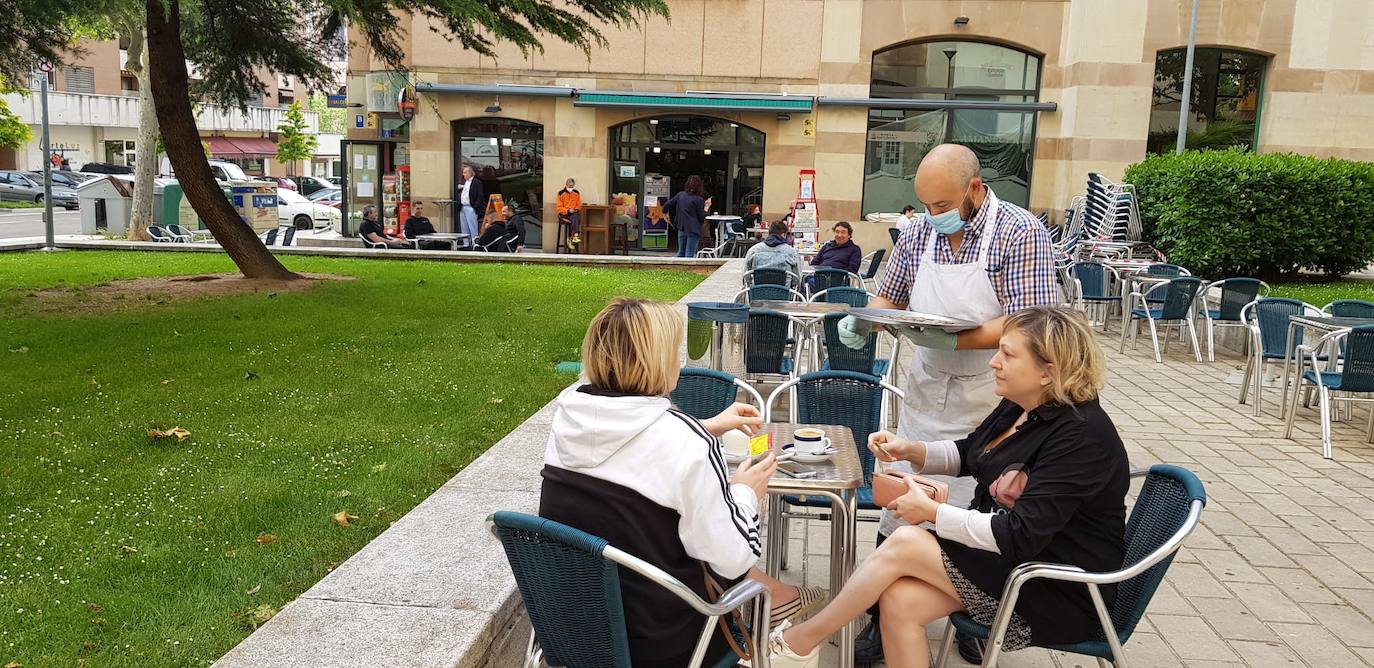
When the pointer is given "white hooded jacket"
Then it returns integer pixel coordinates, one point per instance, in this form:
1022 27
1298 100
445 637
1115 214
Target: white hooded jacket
667 457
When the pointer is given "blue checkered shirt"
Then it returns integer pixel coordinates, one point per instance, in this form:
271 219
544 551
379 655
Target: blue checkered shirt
1019 264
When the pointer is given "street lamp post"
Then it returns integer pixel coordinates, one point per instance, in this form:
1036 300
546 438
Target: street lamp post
949 52
1187 100
46 67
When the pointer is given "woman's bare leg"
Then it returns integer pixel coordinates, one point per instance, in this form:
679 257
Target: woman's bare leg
907 607
910 552
781 592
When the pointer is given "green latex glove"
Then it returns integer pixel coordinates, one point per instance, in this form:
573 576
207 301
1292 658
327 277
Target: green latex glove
930 337
854 332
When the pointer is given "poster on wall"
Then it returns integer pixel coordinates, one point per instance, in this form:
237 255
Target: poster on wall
653 224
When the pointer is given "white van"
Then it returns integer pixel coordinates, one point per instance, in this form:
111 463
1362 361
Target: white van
223 171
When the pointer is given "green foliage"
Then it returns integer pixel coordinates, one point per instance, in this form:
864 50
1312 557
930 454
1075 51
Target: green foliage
294 142
1216 136
331 121
230 43
1232 213
13 131
354 386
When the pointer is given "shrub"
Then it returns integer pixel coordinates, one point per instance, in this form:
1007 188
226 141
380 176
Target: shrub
1232 213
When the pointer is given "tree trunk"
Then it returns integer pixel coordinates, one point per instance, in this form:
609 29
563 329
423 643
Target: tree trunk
172 98
145 168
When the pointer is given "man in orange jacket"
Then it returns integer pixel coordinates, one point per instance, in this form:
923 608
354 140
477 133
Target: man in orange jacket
569 208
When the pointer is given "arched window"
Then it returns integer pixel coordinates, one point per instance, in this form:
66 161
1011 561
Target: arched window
948 74
1225 101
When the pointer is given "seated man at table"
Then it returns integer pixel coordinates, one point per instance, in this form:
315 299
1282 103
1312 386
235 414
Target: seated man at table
776 252
373 231
838 253
497 237
417 224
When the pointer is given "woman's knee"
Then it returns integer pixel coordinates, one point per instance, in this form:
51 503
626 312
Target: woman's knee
912 601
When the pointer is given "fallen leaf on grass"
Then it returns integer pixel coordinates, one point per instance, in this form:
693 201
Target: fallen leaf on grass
175 432
95 383
95 607
380 511
495 400
14 664
20 349
250 376
129 548
254 590
166 381
265 539
89 646
379 468
57 433
343 493
342 518
99 621
261 614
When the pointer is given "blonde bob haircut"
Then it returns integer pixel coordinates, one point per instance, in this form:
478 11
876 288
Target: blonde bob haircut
632 347
1062 337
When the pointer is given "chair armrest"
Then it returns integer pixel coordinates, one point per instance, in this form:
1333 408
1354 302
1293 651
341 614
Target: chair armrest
731 599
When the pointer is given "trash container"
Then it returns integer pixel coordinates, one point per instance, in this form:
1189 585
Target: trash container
256 202
106 204
702 318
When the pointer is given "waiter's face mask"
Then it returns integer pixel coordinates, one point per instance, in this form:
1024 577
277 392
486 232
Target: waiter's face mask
955 219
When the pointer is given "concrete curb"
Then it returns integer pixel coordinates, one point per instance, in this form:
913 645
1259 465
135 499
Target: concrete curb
607 261
433 589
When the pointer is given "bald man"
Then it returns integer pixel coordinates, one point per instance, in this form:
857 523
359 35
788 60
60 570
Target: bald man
971 257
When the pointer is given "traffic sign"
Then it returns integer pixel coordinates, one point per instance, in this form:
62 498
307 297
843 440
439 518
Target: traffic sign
45 66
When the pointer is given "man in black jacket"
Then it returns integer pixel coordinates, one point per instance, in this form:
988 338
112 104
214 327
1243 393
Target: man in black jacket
838 253
417 224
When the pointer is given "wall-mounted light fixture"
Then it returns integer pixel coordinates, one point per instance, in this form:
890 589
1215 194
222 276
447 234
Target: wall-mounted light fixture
707 151
658 149
784 116
653 121
495 106
961 21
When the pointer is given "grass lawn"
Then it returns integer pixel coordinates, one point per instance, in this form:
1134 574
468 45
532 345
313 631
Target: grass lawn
21 204
1321 294
361 396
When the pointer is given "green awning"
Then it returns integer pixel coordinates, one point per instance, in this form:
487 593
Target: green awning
745 102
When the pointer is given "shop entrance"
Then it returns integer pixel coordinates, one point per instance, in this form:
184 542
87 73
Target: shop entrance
726 155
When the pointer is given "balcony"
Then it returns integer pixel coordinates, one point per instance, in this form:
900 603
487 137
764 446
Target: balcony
83 109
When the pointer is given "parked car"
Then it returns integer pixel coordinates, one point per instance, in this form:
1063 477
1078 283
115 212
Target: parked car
330 196
18 186
106 168
65 179
308 185
293 209
223 171
283 182
336 180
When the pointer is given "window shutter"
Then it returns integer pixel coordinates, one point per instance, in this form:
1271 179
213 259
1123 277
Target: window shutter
79 79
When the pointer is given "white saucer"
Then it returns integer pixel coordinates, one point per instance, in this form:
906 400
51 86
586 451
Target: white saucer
807 458
734 459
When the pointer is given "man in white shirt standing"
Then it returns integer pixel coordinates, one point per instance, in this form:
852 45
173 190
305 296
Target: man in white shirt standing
470 196
908 217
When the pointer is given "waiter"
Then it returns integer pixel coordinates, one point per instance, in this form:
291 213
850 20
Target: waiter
470 196
973 257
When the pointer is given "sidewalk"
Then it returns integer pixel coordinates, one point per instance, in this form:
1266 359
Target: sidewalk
1280 573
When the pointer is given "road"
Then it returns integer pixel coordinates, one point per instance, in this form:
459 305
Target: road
29 223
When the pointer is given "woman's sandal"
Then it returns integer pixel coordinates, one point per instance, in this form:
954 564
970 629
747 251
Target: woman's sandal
808 600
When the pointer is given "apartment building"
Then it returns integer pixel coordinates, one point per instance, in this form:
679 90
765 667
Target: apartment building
747 94
93 111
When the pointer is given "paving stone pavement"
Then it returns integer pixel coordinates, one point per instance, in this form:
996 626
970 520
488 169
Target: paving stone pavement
1281 570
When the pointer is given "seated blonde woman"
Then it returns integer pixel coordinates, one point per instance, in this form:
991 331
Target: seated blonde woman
624 465
1052 477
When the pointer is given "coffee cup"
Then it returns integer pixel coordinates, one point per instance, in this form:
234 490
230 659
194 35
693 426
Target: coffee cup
811 441
736 443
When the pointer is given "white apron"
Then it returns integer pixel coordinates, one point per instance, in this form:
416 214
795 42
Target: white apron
949 392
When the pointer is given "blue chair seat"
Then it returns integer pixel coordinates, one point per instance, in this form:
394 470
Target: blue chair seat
865 500
1154 314
1331 379
786 365
1215 314
967 626
879 367
1102 298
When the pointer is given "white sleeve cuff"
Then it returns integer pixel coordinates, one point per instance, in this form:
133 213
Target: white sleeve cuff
942 458
744 496
969 527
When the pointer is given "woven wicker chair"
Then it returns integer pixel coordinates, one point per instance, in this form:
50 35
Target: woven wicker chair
1174 308
704 393
569 581
1235 294
1167 510
839 357
1356 375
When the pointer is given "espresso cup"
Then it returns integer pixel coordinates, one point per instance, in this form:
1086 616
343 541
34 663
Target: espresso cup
810 441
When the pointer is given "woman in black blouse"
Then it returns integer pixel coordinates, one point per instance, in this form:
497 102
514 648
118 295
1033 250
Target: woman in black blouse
1052 479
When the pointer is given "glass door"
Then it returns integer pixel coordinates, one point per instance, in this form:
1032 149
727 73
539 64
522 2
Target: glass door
362 183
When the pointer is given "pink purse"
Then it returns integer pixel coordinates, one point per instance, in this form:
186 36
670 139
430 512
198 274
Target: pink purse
891 485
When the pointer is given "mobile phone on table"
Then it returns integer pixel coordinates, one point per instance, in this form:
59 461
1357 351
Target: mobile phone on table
795 470
786 456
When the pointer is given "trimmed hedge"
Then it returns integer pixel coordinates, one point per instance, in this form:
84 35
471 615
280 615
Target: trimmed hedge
1232 213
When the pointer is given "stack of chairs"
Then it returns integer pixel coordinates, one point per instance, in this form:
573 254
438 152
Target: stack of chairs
1105 223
